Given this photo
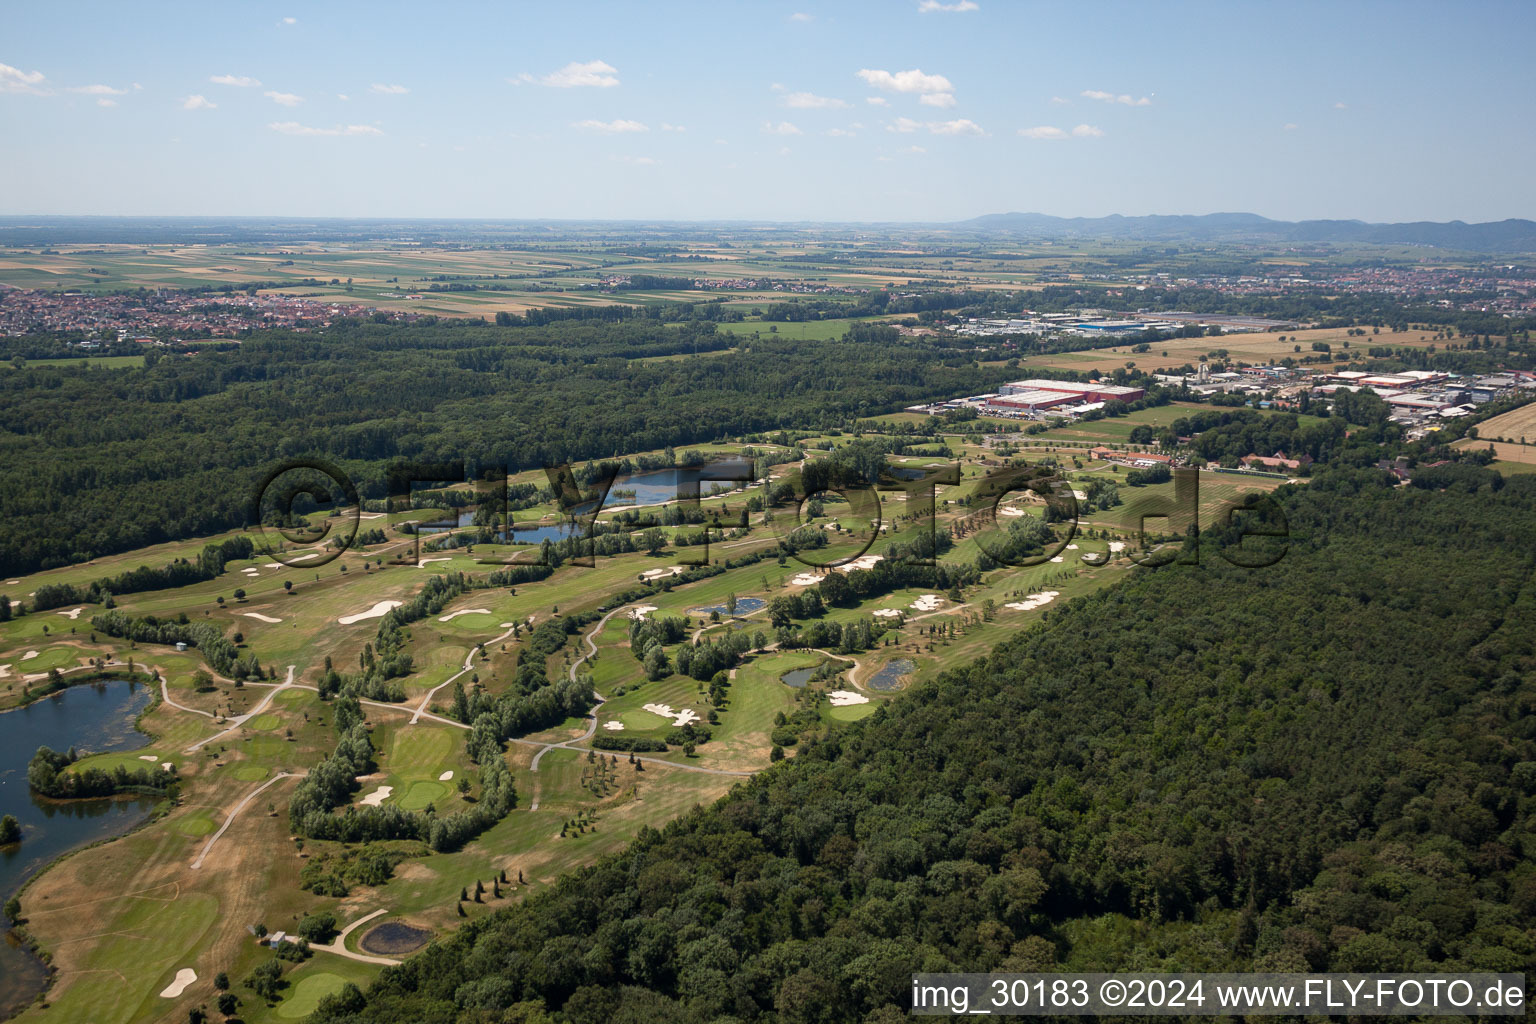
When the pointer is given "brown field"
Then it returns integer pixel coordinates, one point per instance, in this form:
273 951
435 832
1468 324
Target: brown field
1504 452
1515 425
1248 348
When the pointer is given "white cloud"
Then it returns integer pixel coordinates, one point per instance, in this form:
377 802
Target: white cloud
17 80
197 103
802 16
672 127
289 21
810 101
877 101
782 128
905 81
243 81
388 90
937 99
1059 101
294 128
1122 98
1088 131
106 103
593 73
97 90
1341 105
1291 126
343 97
840 133
914 149
611 127
1044 131
963 126
285 99
929 6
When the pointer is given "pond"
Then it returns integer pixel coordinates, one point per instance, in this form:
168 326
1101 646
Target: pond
744 606
98 717
889 676
521 534
394 938
798 678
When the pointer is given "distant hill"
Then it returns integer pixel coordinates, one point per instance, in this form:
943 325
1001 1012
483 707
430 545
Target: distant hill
1494 236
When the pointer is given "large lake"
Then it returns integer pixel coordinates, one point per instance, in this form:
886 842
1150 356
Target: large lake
98 717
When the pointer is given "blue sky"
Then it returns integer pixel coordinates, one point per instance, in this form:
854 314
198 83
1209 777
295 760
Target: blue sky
893 111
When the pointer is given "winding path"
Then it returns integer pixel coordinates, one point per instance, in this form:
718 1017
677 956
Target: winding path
238 720
469 663
545 748
229 818
338 945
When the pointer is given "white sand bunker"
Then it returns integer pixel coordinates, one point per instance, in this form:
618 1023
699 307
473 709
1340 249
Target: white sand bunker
446 776
260 617
13 583
656 574
805 579
274 565
843 698
184 977
1058 558
1034 601
378 611
467 611
641 611
29 656
422 564
1079 495
679 718
614 726
1071 547
5 670
886 613
73 613
148 757
377 797
166 765
251 570
1117 545
1009 510
370 515
305 558
928 602
862 562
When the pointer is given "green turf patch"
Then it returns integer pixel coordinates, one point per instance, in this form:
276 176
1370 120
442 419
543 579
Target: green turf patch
421 794
263 723
307 994
263 747
294 696
852 712
198 823
247 772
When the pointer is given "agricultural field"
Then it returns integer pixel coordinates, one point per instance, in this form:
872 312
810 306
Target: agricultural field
1252 348
1517 426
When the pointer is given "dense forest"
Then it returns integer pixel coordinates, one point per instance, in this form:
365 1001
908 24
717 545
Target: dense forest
100 461
1325 764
